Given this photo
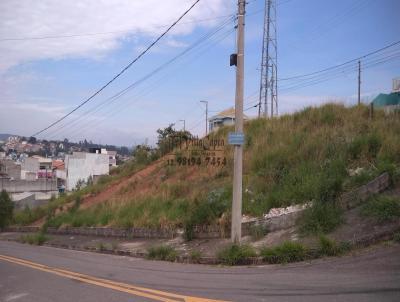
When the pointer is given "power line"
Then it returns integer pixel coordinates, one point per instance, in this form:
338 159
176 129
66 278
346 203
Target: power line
342 70
107 32
165 78
188 50
339 65
122 71
369 63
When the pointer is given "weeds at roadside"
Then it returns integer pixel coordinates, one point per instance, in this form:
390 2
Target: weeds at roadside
236 254
195 256
396 237
382 208
329 247
285 253
34 239
162 252
322 217
101 246
257 232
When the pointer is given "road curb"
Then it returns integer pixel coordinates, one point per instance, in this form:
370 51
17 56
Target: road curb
362 242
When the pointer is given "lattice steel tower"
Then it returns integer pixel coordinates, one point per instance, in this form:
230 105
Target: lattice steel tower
268 102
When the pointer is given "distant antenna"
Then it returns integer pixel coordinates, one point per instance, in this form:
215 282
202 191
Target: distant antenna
269 62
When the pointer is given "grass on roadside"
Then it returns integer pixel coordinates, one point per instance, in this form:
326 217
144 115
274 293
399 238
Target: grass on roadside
195 256
285 253
329 247
236 254
382 208
34 239
321 217
162 252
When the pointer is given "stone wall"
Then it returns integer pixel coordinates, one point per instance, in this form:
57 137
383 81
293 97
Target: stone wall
348 200
20 186
352 199
101 232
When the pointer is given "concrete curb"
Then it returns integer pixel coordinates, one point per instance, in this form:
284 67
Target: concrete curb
362 242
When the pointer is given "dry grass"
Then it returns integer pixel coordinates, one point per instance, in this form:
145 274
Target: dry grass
288 160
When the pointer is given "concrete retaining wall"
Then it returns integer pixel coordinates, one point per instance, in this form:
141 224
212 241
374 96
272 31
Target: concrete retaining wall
20 186
354 198
101 232
348 200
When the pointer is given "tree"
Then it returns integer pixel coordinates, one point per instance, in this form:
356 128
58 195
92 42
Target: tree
6 209
32 140
142 154
169 138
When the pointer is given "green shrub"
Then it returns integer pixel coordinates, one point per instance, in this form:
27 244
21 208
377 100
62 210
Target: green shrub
162 252
101 246
6 209
236 254
321 217
329 247
286 252
396 237
195 256
207 211
382 208
34 239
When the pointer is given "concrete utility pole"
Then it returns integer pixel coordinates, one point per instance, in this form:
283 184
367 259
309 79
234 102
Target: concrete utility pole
184 125
206 102
359 82
236 228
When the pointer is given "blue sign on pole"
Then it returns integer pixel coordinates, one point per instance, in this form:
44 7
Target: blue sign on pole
235 138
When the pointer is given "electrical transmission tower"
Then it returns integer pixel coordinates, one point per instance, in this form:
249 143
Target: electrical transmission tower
268 102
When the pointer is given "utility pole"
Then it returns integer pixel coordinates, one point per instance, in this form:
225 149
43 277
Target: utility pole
206 102
236 228
184 125
359 83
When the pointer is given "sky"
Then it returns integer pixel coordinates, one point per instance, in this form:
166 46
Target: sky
55 54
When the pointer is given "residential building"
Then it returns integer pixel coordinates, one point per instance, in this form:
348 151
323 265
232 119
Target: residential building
38 166
224 118
112 155
112 158
390 103
10 169
80 166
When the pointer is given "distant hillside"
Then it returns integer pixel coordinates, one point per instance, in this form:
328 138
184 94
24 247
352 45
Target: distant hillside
4 136
315 154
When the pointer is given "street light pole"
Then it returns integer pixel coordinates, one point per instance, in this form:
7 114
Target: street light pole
206 102
236 228
184 125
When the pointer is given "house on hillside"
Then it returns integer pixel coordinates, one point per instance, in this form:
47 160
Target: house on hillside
112 155
36 167
224 118
10 169
390 103
80 166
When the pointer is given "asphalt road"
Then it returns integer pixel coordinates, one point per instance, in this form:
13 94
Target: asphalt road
30 273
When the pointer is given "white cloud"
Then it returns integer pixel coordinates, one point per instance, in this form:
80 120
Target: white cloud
125 19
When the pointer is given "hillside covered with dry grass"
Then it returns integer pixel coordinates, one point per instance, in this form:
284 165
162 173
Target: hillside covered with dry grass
312 155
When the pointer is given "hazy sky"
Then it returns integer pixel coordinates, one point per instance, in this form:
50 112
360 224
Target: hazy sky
54 54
